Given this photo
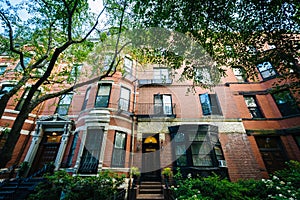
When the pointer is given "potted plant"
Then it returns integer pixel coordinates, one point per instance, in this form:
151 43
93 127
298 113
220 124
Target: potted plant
135 174
167 174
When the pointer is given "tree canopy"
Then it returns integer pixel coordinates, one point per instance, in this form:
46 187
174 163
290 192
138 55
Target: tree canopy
233 33
50 43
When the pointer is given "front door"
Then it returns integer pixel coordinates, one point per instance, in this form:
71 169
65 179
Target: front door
151 158
47 150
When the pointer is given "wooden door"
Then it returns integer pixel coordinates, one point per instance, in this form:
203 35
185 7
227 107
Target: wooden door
151 159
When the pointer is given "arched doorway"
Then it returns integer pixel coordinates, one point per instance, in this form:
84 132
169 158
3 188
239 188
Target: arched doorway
151 157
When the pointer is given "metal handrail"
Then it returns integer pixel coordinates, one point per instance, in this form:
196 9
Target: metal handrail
118 196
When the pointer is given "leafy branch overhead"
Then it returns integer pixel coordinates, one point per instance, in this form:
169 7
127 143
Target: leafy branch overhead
233 33
50 39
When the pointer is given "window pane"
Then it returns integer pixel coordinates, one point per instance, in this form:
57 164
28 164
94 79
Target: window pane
120 140
124 99
160 73
250 102
91 152
205 104
200 148
104 90
202 75
202 160
272 153
163 104
118 158
197 137
107 62
86 98
286 103
252 107
66 99
2 69
179 137
180 150
64 104
266 69
102 99
181 160
167 104
127 65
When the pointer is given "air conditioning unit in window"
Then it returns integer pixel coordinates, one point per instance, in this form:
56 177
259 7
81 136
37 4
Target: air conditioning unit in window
222 163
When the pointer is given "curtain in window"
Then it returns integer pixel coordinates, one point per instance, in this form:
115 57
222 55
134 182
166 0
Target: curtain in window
118 158
124 99
90 157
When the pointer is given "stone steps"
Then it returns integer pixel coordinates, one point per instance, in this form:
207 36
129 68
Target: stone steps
150 191
18 189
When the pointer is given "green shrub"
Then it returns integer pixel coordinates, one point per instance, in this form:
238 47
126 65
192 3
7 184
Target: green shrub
285 184
61 185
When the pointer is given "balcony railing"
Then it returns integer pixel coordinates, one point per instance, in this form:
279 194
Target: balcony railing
155 81
156 110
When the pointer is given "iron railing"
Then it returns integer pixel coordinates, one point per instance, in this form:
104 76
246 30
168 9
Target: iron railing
151 109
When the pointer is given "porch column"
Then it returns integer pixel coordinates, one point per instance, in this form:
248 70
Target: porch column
35 141
62 146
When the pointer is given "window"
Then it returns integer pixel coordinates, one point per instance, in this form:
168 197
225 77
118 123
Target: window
5 89
286 103
86 98
91 152
118 158
24 96
128 65
161 74
26 62
124 101
163 104
72 150
251 50
203 75
252 107
239 74
75 72
196 146
266 70
107 62
64 104
210 104
2 69
272 152
102 99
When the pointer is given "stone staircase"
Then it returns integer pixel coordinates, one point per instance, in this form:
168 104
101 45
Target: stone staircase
150 191
18 189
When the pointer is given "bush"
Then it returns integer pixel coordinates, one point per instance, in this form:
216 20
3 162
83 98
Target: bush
284 184
61 185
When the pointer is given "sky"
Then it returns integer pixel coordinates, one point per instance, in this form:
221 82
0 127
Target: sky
95 6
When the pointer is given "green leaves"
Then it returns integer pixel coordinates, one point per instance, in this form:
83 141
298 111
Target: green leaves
99 187
238 24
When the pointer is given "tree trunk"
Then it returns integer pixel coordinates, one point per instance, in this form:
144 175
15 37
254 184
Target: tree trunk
14 134
3 102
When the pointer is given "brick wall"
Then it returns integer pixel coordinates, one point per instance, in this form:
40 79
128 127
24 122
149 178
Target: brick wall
239 156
